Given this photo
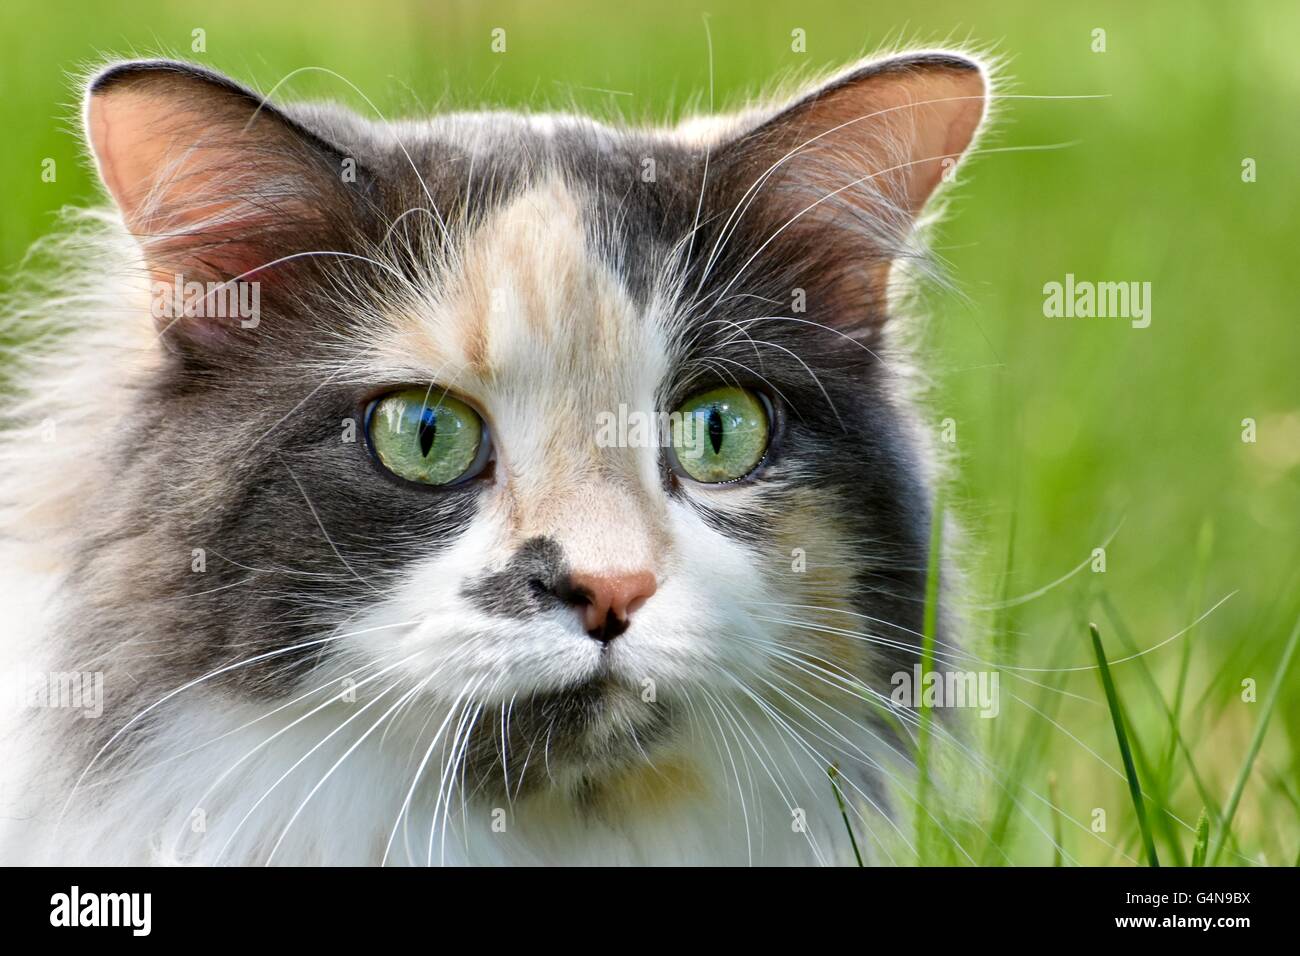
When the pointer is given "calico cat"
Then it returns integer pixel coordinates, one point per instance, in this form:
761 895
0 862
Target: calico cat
492 488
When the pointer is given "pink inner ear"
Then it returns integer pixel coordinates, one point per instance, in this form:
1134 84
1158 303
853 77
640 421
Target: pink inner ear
894 128
204 194
949 108
905 130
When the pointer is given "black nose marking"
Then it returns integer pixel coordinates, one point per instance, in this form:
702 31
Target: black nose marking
533 580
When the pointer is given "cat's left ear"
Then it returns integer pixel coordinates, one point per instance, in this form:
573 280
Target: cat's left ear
848 165
889 129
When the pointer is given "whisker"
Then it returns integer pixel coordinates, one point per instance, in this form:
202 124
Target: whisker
347 753
419 771
244 726
740 793
1039 592
800 739
296 764
448 780
708 148
199 680
772 768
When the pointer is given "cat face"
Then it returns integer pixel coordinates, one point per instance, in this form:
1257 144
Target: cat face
560 432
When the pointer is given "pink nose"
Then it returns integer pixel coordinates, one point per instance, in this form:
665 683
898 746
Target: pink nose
611 599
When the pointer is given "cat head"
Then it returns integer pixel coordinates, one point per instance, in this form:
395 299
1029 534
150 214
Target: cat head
565 431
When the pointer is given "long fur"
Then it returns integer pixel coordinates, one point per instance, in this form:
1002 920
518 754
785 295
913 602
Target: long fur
369 717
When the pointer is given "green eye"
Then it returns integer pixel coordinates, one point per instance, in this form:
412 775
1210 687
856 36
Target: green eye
425 435
720 435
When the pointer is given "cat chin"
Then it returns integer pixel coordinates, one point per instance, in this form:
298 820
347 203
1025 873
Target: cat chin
578 742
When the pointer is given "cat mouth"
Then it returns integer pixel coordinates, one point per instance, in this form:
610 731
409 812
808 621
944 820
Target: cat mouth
568 739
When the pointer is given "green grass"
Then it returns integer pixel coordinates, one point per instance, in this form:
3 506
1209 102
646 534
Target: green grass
1201 849
834 773
1125 751
1256 741
1066 428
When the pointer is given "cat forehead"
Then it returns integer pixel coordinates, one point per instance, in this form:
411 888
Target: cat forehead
532 297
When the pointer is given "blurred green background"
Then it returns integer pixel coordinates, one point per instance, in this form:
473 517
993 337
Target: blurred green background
1066 428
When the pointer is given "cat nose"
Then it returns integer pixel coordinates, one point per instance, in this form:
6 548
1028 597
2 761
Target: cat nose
608 600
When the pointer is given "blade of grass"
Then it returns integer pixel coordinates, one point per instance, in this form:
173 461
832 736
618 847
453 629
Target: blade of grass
833 772
1131 648
1256 742
1135 789
1202 843
1159 785
1054 795
1157 796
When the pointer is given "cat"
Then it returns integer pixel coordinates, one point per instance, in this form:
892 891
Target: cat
303 465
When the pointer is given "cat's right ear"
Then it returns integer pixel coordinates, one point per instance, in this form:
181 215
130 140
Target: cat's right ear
213 181
841 174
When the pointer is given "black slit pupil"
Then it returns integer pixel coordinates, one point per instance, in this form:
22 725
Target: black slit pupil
428 430
715 429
